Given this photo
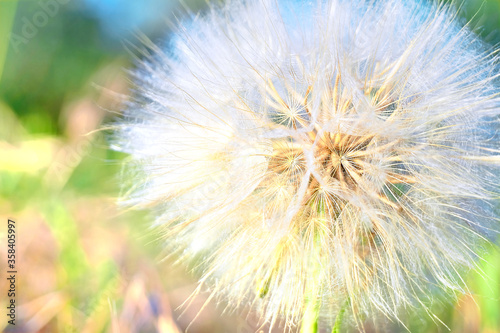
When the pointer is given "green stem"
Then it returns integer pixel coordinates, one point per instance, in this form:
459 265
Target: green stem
310 319
311 313
338 320
311 316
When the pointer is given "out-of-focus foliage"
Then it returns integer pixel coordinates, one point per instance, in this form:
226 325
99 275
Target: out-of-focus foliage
83 264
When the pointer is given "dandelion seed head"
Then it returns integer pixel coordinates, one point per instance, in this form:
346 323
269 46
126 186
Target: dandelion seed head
331 152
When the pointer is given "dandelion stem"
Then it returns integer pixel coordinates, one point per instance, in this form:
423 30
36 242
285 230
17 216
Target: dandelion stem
310 319
313 304
338 320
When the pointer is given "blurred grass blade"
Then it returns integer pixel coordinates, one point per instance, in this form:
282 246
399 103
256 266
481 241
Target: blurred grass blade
7 14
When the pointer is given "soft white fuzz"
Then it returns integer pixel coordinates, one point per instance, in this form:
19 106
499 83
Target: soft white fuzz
320 154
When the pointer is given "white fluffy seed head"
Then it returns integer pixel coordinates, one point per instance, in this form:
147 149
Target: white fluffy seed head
335 153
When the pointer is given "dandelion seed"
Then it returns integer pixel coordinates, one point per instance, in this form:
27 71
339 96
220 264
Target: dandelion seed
326 156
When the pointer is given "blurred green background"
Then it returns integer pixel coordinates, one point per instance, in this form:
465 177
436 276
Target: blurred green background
83 264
